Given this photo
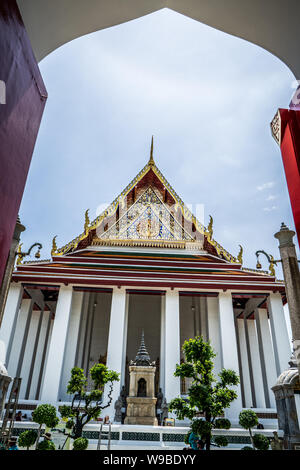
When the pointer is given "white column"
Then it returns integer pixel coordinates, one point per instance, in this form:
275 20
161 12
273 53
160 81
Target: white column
71 345
55 358
256 365
162 344
116 339
214 331
39 355
280 337
229 348
45 354
267 352
172 344
123 374
20 330
244 363
8 324
28 351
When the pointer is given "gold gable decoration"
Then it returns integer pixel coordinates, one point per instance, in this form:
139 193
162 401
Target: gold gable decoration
120 201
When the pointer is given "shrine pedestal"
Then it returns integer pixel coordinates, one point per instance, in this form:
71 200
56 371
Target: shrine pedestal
141 410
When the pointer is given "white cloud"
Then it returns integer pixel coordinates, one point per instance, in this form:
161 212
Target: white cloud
268 185
269 209
271 197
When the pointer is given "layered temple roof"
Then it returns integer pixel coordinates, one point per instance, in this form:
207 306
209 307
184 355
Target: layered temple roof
146 238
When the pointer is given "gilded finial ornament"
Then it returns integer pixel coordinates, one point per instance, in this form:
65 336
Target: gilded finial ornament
271 267
271 260
54 246
240 255
210 228
20 254
86 221
151 160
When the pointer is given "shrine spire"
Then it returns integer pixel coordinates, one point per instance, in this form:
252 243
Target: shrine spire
151 160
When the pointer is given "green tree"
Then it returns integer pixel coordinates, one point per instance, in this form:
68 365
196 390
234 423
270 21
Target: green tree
248 419
27 438
207 395
45 414
86 405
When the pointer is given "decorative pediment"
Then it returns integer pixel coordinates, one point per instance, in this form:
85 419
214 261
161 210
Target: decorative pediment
147 219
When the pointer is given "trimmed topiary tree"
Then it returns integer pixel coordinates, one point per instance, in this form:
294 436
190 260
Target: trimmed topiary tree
207 395
261 442
45 414
248 419
27 438
81 443
46 445
86 405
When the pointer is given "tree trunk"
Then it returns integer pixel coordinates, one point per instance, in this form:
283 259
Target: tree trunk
208 437
78 430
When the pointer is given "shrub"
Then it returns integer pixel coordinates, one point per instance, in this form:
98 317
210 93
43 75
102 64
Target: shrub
222 423
81 443
27 438
46 445
221 441
247 448
201 428
261 442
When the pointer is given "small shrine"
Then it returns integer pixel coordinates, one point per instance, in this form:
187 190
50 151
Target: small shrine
141 402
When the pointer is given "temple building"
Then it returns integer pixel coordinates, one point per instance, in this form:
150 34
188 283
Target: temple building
145 263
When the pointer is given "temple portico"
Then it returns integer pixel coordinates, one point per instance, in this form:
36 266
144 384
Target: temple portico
85 326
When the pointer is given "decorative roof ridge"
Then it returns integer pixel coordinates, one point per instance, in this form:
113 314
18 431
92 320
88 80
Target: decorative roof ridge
259 271
40 261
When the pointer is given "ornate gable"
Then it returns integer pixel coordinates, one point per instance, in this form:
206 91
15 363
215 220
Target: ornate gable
148 212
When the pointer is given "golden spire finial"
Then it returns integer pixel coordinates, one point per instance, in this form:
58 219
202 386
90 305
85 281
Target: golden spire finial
54 246
86 221
151 160
240 255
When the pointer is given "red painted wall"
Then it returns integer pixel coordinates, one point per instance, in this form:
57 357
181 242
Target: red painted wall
290 151
19 118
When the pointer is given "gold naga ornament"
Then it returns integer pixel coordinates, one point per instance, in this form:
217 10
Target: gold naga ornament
54 246
86 221
240 255
20 254
272 266
210 231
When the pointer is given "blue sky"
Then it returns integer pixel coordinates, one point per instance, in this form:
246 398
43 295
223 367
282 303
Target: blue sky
207 98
